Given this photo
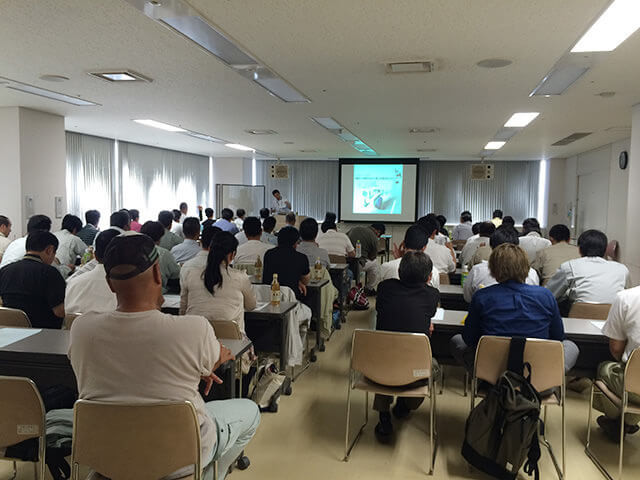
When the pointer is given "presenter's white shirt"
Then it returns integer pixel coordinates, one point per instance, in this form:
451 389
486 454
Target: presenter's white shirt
441 257
280 206
480 277
532 243
623 322
249 252
335 243
90 293
390 270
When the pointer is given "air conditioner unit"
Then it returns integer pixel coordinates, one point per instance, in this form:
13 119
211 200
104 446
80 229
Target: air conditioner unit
280 171
482 171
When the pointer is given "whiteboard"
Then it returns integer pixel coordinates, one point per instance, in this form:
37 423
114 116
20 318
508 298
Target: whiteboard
248 197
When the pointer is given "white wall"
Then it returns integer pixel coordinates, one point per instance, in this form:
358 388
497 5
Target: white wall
11 199
633 199
228 170
556 202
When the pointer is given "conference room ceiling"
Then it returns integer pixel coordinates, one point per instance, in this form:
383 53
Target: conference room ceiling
334 52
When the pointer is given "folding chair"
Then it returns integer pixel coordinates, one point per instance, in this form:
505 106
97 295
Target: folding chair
12 317
340 259
141 441
592 311
69 318
22 418
384 363
546 358
631 385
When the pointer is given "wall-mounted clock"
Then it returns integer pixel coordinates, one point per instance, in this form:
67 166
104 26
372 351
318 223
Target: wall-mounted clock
623 159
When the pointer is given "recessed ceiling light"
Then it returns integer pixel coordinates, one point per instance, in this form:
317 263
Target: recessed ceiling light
261 132
423 130
559 79
120 76
614 26
425 66
42 92
521 119
237 146
606 94
494 63
54 78
162 126
493 145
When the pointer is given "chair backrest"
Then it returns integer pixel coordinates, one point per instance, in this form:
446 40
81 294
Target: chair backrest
145 442
226 329
12 317
341 259
592 311
391 358
546 358
69 318
444 279
632 373
21 411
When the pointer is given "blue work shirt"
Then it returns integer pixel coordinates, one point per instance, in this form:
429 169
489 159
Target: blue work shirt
226 226
513 309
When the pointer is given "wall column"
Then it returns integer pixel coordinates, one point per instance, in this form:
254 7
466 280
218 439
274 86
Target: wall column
632 251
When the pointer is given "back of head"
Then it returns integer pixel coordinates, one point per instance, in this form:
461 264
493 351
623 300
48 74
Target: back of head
102 242
592 243
240 213
154 230
330 217
288 236
290 218
165 217
429 223
442 220
183 207
71 223
120 219
497 213
415 238
509 262
227 214
560 233
222 245
92 217
504 234
177 215
309 230
269 224
509 221
4 221
465 216
206 237
328 226
530 225
415 268
191 228
264 213
39 240
486 229
475 228
379 227
134 214
208 212
39 222
252 227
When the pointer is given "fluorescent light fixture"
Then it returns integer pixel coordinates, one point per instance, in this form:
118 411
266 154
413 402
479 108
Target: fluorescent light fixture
237 146
521 119
343 134
162 126
614 26
559 79
204 136
120 76
42 92
494 145
328 123
278 86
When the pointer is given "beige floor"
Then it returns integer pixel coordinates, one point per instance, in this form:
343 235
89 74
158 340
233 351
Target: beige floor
305 439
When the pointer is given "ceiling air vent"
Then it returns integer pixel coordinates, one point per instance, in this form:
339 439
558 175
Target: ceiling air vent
571 138
482 171
256 131
280 171
426 66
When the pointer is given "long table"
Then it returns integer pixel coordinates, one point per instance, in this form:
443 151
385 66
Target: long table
451 298
593 345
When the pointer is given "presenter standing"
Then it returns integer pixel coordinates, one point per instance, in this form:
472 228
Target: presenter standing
281 205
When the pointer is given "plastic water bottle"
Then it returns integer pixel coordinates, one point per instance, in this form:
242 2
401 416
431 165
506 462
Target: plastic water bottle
358 249
465 274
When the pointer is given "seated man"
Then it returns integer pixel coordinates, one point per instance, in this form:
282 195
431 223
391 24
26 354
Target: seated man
496 217
511 308
137 354
91 293
590 278
189 248
176 226
17 249
368 238
70 246
168 239
120 221
485 230
90 230
480 275
290 219
548 260
225 223
5 231
210 220
200 260
411 295
33 285
169 268
291 266
308 245
333 241
623 330
464 229
443 257
253 248
415 240
240 216
268 224
532 241
135 217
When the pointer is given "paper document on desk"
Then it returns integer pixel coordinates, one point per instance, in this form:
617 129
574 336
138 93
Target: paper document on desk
13 335
171 301
439 315
599 324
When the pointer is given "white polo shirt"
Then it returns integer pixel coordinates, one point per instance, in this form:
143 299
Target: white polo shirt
441 257
90 293
390 270
249 252
480 277
623 322
335 243
532 243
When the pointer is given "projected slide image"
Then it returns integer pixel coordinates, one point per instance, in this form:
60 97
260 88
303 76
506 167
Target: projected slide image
377 189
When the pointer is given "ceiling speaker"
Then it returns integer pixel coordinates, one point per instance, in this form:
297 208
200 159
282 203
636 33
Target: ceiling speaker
482 171
280 171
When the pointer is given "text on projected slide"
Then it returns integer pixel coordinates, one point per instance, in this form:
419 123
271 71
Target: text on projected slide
377 189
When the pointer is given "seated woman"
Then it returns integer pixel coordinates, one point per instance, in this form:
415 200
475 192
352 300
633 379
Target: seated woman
417 301
219 292
511 308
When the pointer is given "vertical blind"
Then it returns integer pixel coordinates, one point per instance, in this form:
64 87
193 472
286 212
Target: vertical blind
446 188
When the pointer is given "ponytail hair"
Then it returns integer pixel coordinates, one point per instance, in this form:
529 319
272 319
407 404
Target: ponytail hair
223 244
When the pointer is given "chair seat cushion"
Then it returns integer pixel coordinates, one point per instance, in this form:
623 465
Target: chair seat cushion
369 386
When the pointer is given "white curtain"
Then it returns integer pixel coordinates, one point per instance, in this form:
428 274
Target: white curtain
312 186
155 179
446 188
90 169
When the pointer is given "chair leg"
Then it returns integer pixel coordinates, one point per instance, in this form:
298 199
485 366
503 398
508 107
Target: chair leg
349 447
215 470
441 379
624 408
466 382
41 458
432 430
546 443
587 448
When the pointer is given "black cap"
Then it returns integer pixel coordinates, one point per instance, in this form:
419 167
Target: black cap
136 251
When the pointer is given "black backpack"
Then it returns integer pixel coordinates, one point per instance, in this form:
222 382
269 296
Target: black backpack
501 432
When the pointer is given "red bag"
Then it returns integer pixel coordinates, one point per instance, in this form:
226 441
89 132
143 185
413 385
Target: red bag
358 298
